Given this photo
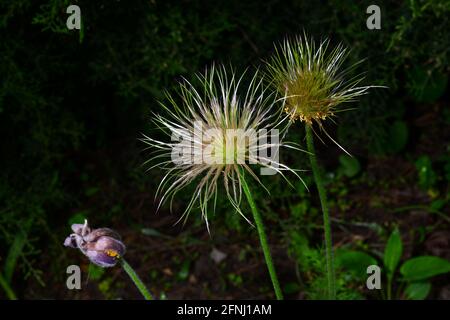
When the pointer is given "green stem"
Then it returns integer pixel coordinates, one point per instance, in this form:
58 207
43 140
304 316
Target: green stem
262 238
389 288
331 277
137 281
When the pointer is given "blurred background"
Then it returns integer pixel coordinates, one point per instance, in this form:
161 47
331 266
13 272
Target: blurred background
73 104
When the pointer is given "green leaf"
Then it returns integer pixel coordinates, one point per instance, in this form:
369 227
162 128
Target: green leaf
78 217
154 233
393 252
437 204
424 267
91 191
427 177
356 262
418 290
7 288
184 272
16 250
291 288
349 165
426 86
398 133
95 272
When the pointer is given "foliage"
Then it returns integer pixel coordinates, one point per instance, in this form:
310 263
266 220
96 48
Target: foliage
415 272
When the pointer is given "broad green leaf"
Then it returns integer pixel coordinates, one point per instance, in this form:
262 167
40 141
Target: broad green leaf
393 252
437 204
424 267
353 261
349 165
418 290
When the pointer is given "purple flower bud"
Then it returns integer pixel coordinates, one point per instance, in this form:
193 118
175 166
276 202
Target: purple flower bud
105 251
102 246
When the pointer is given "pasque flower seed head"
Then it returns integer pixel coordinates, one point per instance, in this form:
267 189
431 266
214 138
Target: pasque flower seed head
218 128
311 78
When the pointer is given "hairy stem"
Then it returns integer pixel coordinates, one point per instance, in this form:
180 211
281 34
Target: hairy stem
137 281
331 277
262 238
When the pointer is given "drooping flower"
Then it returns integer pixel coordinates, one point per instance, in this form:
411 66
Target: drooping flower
102 246
218 128
312 80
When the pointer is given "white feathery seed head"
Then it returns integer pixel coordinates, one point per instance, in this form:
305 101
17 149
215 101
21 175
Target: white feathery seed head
219 129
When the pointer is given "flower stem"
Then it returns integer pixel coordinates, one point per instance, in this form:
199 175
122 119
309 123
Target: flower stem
262 238
137 281
331 277
389 287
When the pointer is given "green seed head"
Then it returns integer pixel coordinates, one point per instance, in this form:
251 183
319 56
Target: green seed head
310 78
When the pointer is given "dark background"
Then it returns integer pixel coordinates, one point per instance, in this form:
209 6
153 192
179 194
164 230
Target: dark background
74 104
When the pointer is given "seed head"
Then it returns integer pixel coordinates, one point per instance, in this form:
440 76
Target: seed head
218 130
311 79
